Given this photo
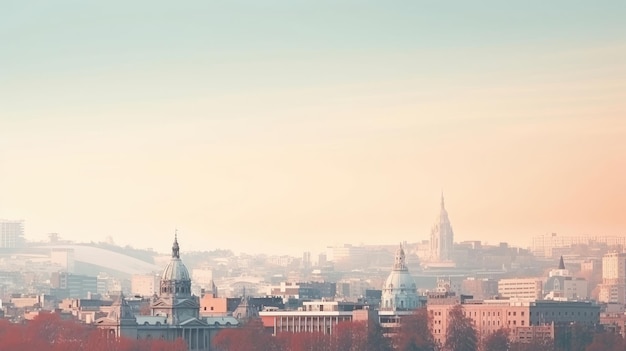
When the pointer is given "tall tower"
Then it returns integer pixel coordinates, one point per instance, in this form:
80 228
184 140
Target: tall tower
441 236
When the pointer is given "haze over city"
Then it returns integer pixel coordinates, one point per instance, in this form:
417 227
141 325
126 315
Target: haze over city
261 127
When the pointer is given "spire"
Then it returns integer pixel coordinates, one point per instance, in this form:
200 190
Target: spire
175 248
561 263
442 201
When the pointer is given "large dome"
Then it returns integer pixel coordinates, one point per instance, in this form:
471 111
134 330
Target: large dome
175 270
399 290
175 280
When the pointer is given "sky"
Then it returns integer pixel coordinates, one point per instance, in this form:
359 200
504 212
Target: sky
287 126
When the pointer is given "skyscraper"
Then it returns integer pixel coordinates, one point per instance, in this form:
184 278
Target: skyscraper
11 233
441 237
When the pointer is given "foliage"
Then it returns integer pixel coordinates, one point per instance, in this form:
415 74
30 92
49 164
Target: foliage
415 333
347 336
48 332
497 341
574 337
461 335
607 342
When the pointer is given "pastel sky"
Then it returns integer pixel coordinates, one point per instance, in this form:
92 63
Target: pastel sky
287 126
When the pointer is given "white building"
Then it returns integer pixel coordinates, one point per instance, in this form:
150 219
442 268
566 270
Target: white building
562 285
144 284
521 288
399 291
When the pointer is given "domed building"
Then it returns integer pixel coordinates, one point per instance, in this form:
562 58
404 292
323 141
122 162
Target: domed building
175 312
399 291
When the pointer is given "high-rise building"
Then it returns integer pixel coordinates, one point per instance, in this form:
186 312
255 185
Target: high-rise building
613 287
441 237
11 233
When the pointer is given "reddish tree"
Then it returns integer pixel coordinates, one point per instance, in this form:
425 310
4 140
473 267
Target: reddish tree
461 335
303 342
250 337
607 342
48 332
350 336
414 333
497 341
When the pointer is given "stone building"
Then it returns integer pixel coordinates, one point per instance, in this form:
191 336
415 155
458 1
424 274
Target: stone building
175 312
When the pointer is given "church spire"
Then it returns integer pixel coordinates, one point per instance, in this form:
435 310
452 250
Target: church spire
175 248
561 263
442 201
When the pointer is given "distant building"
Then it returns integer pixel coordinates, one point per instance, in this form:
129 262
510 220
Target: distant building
561 285
303 291
441 237
347 257
548 245
68 285
521 288
144 284
11 234
480 289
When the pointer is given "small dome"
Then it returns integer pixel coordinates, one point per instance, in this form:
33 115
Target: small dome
399 291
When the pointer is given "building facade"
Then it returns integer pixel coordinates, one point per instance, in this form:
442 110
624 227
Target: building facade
613 287
521 318
11 234
441 237
175 312
521 288
562 285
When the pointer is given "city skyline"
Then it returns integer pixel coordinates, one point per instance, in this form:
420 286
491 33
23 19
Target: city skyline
277 126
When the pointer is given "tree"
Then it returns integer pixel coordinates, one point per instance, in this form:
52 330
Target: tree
497 341
376 340
533 345
607 342
350 336
573 337
461 335
251 337
414 333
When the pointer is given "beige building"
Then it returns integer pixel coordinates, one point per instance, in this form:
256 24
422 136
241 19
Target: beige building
144 284
521 288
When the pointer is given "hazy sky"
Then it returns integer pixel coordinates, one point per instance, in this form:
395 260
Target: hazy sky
285 126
